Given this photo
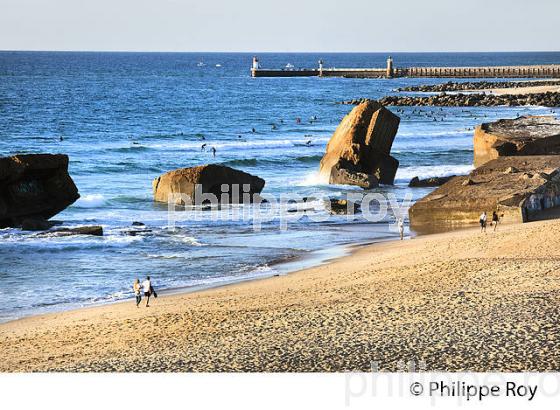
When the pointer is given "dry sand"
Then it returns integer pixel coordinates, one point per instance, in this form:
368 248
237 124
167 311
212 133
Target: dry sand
537 89
455 301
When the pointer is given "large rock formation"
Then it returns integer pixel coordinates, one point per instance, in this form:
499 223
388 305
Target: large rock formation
358 153
532 135
210 178
34 187
521 188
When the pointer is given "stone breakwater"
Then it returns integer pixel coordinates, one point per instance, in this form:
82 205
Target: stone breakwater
548 99
476 85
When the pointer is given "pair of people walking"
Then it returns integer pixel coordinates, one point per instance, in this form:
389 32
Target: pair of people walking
483 221
146 288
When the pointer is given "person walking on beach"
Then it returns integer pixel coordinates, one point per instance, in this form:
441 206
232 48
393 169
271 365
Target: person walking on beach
495 220
482 221
137 291
147 287
400 224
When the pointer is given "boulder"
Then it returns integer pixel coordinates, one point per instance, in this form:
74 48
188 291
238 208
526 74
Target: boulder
94 230
530 135
341 206
34 187
181 185
358 153
428 182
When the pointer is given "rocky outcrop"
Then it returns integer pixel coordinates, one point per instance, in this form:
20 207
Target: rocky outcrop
34 187
548 99
341 206
476 85
532 135
521 188
358 153
181 184
428 182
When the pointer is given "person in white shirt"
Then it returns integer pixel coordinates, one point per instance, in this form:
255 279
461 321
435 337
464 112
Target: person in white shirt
482 221
147 288
401 228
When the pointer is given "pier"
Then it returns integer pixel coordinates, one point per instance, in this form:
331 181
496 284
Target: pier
527 71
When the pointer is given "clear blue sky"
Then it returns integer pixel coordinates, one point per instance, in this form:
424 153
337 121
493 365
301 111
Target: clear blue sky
283 25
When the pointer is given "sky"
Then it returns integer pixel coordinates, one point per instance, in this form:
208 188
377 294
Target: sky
280 26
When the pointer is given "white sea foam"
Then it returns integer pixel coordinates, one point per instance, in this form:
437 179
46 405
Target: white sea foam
240 143
90 201
167 255
408 173
313 179
426 133
191 241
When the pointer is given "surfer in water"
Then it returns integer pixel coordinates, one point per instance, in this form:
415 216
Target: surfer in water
203 148
213 151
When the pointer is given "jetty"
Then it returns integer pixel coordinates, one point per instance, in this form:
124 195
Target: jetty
390 71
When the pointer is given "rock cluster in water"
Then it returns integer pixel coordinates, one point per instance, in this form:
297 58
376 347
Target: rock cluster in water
548 99
476 85
341 206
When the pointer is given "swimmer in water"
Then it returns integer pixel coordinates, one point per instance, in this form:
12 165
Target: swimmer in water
253 130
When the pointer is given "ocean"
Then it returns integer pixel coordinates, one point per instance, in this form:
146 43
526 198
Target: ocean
126 118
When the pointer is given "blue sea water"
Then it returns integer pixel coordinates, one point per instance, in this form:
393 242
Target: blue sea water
125 118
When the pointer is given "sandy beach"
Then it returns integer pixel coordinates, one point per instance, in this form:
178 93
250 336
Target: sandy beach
458 301
535 89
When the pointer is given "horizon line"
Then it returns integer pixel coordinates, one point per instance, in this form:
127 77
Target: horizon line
274 52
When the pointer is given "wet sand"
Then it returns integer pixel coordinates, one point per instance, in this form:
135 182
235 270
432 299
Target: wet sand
458 301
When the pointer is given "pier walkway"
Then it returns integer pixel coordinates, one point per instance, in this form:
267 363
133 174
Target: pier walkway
528 71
